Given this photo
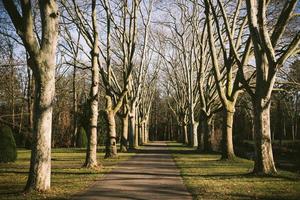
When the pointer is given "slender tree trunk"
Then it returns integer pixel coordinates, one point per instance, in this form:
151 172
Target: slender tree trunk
75 126
137 135
30 97
132 138
140 131
208 134
143 132
185 133
111 143
12 92
264 162
146 127
195 134
124 137
293 132
91 151
227 141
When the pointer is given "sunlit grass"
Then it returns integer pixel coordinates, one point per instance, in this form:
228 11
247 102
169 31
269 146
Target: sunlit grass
67 176
206 177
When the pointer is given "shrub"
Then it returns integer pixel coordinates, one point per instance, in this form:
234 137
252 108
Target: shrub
81 138
8 150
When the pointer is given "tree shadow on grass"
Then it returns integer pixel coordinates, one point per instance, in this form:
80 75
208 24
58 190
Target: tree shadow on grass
162 151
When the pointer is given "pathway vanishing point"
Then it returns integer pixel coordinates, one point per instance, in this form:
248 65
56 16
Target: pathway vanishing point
150 174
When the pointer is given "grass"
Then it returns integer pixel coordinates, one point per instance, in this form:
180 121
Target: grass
67 176
207 177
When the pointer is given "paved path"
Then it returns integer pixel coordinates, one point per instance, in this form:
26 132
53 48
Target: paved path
151 174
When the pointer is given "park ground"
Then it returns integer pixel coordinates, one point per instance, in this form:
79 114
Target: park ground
205 176
67 178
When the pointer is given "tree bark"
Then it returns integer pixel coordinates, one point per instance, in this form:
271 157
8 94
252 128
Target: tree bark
227 141
185 133
264 162
194 134
137 135
142 126
208 134
40 162
75 125
132 141
133 136
111 143
91 151
146 127
124 137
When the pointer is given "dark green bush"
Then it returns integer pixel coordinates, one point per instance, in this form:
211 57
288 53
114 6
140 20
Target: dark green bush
81 138
8 150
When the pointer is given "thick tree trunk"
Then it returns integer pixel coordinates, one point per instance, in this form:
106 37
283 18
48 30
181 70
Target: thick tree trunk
111 143
124 137
40 163
227 141
208 134
194 134
42 62
264 162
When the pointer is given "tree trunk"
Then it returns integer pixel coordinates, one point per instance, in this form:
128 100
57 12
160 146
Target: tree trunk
91 151
75 126
227 142
30 97
132 138
185 133
194 134
40 162
146 127
42 62
140 132
137 135
208 134
111 143
124 137
143 132
264 162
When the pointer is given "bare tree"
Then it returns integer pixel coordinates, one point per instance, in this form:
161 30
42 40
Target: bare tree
228 87
89 32
42 63
270 56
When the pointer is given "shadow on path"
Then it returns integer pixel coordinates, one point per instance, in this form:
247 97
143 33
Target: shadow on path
150 174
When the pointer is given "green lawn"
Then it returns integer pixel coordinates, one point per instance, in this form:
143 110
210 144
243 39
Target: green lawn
206 177
67 175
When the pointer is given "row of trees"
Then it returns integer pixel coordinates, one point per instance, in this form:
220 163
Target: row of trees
217 50
102 45
104 58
